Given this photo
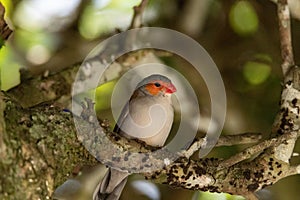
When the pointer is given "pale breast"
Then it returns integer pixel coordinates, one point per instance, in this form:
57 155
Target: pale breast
149 119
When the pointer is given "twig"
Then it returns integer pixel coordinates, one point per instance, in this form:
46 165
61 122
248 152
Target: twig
294 170
285 36
249 152
245 138
287 121
225 140
137 18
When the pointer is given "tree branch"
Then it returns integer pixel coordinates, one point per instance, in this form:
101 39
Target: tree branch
137 18
57 86
193 174
5 31
285 35
224 140
287 121
40 150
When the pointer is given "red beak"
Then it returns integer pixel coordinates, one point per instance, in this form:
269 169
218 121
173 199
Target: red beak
170 88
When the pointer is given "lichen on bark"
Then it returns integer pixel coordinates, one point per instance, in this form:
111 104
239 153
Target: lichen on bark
41 151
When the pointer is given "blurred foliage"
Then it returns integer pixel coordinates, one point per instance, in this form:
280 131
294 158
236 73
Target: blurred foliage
27 39
256 73
38 46
103 96
97 20
223 152
8 5
216 196
8 9
9 69
243 18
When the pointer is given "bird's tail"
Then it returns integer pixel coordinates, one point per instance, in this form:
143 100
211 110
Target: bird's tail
111 186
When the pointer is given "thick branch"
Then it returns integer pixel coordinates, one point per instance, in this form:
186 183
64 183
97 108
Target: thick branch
40 150
57 86
43 126
204 174
243 178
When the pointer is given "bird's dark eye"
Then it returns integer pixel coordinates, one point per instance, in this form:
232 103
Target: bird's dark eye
157 84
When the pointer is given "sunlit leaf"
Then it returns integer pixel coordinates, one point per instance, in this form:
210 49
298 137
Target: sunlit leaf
209 196
255 72
9 69
103 95
215 196
243 18
234 197
124 4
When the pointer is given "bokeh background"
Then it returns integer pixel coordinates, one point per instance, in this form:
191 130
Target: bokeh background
241 37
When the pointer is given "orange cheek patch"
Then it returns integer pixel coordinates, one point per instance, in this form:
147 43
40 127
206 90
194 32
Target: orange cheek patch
152 89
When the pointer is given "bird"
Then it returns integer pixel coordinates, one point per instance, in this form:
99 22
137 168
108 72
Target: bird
147 116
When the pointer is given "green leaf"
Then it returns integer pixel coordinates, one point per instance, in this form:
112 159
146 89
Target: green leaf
9 69
216 196
103 95
212 196
255 72
243 18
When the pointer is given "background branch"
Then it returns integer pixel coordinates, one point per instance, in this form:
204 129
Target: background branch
137 18
283 13
5 31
